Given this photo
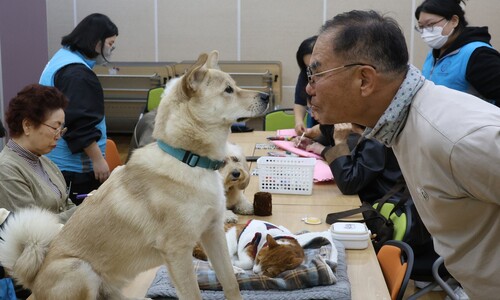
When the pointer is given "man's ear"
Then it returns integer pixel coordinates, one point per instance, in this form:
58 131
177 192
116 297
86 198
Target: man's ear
368 80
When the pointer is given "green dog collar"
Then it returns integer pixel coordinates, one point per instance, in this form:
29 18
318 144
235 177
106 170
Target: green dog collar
189 158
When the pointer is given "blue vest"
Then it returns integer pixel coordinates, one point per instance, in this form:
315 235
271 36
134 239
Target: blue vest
450 70
61 155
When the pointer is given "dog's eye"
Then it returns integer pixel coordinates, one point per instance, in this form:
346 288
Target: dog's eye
229 89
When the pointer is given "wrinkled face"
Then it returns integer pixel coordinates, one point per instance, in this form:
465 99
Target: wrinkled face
44 138
333 93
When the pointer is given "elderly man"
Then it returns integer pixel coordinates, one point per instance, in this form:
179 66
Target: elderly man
446 142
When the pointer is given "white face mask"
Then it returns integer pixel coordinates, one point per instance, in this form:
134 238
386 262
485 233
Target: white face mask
107 51
434 37
106 54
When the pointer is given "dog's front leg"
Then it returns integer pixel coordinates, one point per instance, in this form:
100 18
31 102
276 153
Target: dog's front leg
181 271
215 245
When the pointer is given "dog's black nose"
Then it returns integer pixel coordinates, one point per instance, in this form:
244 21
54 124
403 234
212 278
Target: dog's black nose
236 174
264 97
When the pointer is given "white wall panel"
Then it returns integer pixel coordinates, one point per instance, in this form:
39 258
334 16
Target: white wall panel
176 30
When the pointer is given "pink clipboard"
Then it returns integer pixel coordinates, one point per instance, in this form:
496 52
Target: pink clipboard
322 171
289 146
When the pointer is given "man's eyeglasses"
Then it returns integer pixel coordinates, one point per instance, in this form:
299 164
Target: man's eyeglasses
430 26
58 131
310 75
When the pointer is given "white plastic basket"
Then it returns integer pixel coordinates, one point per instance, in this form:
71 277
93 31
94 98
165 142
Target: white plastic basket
286 175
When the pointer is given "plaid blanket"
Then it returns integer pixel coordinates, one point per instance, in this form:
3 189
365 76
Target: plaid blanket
323 275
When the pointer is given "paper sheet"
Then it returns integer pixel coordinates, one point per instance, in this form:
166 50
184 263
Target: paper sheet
322 171
286 132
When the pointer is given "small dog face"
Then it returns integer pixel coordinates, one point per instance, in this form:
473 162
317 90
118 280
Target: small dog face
235 173
236 176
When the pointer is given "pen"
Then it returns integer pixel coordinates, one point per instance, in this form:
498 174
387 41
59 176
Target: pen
82 196
280 138
300 139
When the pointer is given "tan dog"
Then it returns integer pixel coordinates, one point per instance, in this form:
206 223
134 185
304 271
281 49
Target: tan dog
236 176
153 210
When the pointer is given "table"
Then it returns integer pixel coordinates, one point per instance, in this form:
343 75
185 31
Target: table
365 276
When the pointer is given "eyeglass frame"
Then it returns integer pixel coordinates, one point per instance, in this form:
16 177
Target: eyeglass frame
430 25
310 75
59 131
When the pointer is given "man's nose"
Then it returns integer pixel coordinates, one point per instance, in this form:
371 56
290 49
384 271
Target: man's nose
310 90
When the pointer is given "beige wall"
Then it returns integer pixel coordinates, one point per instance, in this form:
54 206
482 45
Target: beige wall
176 30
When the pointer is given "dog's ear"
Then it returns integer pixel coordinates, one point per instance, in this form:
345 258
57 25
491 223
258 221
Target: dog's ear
194 76
213 60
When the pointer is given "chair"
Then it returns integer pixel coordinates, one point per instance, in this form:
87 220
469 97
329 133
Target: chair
112 155
154 98
279 119
396 261
429 267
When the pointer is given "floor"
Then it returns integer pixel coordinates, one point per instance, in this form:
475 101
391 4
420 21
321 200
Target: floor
123 141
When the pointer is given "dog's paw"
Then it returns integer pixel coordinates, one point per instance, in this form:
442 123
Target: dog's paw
244 208
230 217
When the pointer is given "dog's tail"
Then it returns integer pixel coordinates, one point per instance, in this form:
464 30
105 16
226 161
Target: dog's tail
24 241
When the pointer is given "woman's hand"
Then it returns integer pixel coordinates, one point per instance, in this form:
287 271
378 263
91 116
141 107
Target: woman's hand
300 128
303 143
101 170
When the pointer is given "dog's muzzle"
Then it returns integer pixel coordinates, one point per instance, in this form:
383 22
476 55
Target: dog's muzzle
235 174
264 97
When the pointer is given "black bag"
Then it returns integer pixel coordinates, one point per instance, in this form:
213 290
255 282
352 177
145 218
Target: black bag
390 218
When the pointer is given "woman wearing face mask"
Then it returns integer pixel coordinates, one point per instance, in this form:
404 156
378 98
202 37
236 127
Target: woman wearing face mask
80 153
461 57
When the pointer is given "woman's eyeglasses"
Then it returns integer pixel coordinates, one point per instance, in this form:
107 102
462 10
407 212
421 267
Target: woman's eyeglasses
430 26
310 75
58 131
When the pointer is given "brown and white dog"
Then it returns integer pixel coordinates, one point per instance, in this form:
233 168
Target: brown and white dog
151 211
236 176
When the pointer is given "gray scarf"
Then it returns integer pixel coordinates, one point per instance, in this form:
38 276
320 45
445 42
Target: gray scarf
392 121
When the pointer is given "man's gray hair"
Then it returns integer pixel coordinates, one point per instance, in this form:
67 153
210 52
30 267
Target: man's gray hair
368 37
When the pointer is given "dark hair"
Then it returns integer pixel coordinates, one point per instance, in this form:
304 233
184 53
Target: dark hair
306 47
368 37
444 8
85 36
34 102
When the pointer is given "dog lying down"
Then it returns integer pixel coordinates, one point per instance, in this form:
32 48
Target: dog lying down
150 212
